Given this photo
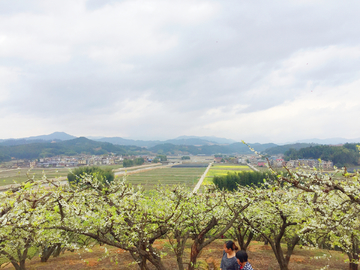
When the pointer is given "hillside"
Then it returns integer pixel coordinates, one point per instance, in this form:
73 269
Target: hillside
70 147
281 149
339 155
56 136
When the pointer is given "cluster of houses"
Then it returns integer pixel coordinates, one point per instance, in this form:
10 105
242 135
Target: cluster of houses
276 161
110 159
68 161
75 161
310 162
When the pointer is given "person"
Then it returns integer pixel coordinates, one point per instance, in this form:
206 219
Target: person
242 259
228 261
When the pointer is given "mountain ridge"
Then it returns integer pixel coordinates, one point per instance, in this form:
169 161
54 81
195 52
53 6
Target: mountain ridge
180 140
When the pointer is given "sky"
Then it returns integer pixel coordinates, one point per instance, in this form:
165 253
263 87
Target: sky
259 71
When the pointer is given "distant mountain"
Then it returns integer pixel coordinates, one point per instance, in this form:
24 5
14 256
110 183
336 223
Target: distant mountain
182 140
190 141
11 142
281 149
69 148
208 138
62 136
56 136
121 141
235 148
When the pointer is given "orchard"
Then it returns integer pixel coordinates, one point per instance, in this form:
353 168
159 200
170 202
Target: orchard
305 206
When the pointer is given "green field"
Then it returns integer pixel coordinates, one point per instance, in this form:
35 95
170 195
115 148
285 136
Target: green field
223 169
8 176
166 176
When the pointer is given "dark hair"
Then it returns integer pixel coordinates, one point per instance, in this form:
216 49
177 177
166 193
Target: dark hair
231 245
242 256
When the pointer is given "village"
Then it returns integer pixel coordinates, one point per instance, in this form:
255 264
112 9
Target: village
112 159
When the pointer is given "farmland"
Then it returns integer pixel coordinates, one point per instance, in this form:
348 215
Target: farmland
8 176
149 179
223 169
167 176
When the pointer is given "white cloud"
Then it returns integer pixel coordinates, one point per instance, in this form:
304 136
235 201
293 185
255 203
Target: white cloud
266 71
8 77
115 32
325 113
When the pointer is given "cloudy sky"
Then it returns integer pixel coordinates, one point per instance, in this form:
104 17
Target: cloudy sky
260 71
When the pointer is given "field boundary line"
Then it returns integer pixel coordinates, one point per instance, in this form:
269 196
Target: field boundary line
202 178
144 170
137 167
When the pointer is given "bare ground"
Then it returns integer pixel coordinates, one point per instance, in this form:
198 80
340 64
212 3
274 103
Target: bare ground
261 257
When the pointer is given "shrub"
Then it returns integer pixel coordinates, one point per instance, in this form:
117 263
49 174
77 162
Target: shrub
232 180
103 175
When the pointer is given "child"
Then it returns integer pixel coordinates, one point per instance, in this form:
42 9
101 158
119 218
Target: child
242 258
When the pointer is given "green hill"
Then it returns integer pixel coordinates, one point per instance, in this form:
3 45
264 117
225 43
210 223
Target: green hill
281 149
71 147
339 155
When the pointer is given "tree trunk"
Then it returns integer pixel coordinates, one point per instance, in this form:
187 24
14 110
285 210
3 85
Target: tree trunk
197 246
57 250
46 253
154 259
279 255
250 237
353 258
22 264
240 236
281 260
141 261
151 256
142 265
283 266
193 256
158 264
19 265
291 245
180 263
16 265
179 249
22 259
353 266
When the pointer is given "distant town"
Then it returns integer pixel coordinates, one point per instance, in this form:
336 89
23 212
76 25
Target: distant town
112 159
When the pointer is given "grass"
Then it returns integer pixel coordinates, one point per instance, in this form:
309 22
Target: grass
223 169
166 176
